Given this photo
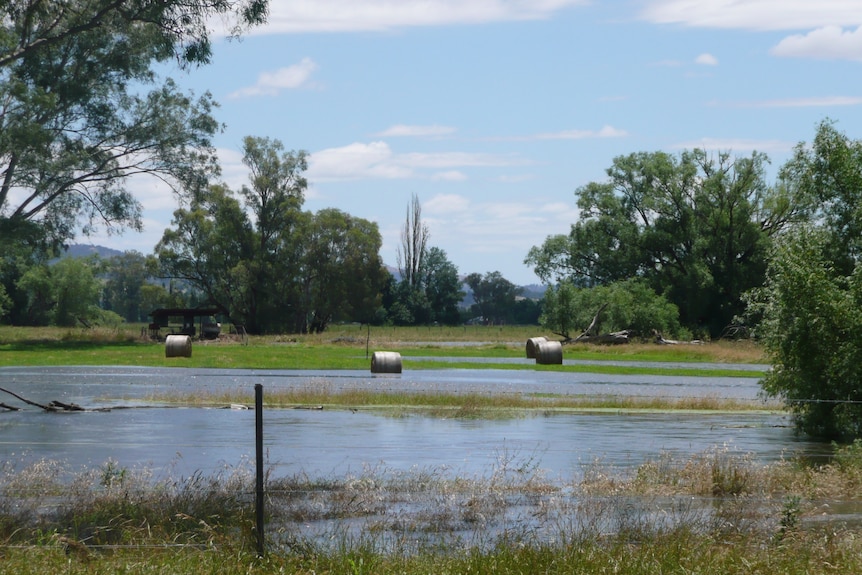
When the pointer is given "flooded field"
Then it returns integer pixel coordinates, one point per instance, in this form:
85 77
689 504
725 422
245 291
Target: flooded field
133 429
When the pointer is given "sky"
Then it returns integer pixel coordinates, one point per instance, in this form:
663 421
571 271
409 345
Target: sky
494 112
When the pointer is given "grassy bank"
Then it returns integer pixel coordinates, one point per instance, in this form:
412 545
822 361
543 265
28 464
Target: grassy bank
715 513
349 348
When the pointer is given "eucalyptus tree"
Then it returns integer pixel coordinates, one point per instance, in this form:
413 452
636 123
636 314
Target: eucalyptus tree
266 263
81 112
243 251
494 296
443 289
342 273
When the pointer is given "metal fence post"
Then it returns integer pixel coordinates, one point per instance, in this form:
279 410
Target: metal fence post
258 432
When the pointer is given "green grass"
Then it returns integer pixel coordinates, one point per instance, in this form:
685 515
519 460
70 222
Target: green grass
349 348
469 405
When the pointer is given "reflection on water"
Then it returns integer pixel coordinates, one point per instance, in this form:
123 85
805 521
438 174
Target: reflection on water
327 443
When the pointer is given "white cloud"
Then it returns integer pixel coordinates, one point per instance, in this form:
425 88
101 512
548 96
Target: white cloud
827 43
755 14
825 21
706 60
400 130
813 102
376 160
604 132
296 16
288 78
443 204
450 176
737 146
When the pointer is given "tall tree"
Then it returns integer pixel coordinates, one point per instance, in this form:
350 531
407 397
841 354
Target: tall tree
266 263
826 176
125 277
65 294
75 120
811 304
411 253
494 296
343 274
442 287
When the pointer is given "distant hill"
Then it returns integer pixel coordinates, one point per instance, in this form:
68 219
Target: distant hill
85 250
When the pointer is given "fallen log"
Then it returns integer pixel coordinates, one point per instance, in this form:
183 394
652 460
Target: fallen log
54 406
27 401
614 338
66 406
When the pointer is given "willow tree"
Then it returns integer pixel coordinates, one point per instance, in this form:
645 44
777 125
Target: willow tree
697 227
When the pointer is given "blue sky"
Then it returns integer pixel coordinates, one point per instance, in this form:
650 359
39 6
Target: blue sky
493 112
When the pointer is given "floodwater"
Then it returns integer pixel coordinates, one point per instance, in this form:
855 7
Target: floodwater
134 430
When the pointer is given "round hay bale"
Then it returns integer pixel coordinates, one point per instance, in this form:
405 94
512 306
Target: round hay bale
549 353
178 346
532 344
386 362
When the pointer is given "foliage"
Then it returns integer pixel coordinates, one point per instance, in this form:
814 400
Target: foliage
626 305
442 287
829 174
65 294
429 290
810 308
126 278
494 297
82 112
77 120
696 227
263 261
812 332
559 309
343 271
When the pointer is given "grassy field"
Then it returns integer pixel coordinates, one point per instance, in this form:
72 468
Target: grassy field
349 347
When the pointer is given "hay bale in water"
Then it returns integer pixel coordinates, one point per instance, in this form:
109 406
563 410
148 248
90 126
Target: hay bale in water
386 362
532 344
549 353
178 346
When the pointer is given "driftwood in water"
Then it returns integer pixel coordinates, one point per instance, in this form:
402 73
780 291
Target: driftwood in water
51 407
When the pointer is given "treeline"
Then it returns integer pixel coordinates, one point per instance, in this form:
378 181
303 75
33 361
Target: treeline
697 242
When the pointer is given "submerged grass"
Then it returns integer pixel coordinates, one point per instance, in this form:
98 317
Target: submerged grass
718 512
464 404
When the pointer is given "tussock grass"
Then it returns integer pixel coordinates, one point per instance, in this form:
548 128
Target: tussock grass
717 512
